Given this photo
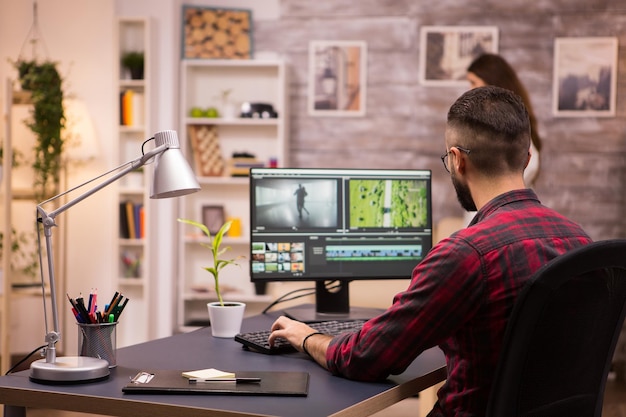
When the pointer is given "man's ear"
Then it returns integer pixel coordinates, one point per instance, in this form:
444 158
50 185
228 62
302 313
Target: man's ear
458 160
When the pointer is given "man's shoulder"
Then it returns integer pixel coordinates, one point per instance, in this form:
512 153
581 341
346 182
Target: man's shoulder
506 227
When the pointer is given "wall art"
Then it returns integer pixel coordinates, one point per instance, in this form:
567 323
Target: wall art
216 33
585 77
447 51
337 78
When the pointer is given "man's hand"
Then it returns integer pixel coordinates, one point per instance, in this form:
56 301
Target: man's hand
295 332
292 330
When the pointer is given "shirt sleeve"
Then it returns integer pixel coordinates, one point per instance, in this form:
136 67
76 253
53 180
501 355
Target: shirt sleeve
443 294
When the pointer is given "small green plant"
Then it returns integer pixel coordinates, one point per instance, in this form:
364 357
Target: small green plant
214 245
134 62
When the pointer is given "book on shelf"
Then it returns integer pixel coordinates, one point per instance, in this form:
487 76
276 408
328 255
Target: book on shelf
130 215
240 166
131 108
132 220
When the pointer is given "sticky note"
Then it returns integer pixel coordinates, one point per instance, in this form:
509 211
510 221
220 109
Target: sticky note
209 373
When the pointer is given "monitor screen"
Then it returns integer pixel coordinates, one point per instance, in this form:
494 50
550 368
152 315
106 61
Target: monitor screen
329 225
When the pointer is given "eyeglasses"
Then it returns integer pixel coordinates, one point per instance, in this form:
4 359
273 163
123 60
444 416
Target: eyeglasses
444 157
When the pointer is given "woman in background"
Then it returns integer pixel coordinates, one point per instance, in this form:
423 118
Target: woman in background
491 69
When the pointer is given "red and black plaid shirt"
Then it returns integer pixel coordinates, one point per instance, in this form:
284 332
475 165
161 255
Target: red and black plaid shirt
460 298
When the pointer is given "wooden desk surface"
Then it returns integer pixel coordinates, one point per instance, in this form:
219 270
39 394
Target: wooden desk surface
328 395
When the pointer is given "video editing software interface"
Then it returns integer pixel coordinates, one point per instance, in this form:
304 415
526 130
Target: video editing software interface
345 224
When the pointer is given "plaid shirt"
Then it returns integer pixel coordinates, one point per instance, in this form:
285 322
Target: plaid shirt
459 298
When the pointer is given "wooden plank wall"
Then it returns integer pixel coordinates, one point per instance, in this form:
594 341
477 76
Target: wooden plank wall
583 161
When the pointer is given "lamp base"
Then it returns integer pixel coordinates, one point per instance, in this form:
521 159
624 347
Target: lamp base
69 370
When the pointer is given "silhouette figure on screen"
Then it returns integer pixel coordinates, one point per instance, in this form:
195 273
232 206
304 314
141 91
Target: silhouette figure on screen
300 193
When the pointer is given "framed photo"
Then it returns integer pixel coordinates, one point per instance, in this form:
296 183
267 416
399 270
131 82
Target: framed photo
216 33
447 51
213 217
585 77
337 78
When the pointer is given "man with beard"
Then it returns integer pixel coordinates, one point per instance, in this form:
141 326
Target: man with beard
462 293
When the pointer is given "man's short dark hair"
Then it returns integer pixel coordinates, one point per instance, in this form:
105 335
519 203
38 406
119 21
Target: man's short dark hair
493 123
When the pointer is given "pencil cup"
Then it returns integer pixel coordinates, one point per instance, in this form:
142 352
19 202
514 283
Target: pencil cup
98 341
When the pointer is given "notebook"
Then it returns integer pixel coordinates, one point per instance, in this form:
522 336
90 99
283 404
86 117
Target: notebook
295 384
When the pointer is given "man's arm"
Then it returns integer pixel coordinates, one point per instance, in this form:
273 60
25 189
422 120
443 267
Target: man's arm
296 332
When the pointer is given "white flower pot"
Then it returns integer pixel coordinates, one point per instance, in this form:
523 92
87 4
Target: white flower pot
226 320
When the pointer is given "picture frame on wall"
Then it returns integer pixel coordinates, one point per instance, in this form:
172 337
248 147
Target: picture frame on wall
337 78
213 217
585 77
447 51
216 33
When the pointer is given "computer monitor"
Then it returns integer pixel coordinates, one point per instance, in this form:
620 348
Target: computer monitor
337 225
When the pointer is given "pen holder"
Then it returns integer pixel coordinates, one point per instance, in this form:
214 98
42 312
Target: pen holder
98 341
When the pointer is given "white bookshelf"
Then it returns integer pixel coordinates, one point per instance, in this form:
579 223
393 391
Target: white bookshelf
202 85
133 35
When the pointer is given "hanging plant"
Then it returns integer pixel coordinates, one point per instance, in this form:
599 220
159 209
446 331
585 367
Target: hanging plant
42 80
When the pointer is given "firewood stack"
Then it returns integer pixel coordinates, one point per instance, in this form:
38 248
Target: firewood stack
217 33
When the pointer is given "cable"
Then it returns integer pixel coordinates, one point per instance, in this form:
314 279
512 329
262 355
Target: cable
24 359
282 299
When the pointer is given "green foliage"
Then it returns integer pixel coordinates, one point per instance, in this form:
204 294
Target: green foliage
46 87
17 157
214 245
132 60
23 257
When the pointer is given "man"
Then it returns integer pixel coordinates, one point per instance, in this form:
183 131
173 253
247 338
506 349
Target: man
300 193
462 293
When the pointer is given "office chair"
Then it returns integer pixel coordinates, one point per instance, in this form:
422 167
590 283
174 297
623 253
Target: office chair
561 336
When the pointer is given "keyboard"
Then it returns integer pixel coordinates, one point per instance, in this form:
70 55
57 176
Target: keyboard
257 341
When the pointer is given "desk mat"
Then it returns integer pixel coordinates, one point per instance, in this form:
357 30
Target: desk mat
295 384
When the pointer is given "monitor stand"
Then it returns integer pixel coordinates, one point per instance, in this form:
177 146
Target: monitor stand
331 303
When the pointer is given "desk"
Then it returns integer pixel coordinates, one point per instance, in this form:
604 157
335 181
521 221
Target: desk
328 395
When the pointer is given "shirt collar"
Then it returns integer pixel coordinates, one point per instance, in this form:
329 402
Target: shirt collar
502 200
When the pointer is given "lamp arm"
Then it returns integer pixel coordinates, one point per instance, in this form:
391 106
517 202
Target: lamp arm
47 221
132 165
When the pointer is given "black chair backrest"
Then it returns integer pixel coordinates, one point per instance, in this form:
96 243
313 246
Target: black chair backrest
561 336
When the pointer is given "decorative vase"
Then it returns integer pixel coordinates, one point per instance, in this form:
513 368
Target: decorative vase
229 111
226 320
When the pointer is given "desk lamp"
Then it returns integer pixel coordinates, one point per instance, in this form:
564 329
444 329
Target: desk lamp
172 177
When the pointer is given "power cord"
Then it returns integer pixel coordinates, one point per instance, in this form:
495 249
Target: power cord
282 298
24 359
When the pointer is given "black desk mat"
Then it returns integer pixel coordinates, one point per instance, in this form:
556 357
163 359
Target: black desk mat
295 384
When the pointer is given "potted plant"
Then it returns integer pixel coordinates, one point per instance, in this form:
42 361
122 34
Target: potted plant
45 84
134 62
225 317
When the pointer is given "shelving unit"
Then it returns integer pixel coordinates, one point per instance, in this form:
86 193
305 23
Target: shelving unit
203 84
133 248
6 193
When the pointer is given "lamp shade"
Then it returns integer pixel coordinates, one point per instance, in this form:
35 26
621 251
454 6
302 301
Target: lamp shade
173 176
